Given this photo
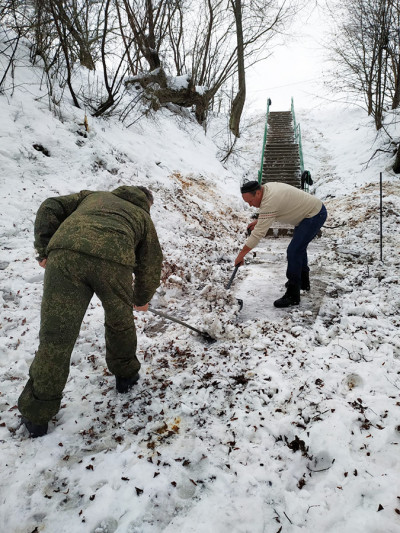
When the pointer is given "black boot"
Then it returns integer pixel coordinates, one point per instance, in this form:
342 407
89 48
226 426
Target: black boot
291 297
305 281
124 384
35 430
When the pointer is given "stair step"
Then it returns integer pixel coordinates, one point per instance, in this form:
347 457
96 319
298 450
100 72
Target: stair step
282 146
272 154
280 172
282 175
285 177
287 162
281 153
281 157
286 147
277 132
282 169
291 161
275 139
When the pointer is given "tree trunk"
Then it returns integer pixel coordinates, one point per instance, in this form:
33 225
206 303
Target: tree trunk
158 93
85 58
144 33
396 95
396 166
74 28
240 98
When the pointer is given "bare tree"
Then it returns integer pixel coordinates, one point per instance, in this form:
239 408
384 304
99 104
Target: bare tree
233 41
393 50
74 18
148 20
361 48
204 43
240 98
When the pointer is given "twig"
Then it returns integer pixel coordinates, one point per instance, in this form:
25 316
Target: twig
10 64
394 384
373 155
320 414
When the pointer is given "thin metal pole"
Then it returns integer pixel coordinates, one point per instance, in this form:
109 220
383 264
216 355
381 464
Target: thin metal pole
381 215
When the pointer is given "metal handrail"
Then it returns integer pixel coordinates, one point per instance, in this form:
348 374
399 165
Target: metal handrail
293 114
264 142
297 138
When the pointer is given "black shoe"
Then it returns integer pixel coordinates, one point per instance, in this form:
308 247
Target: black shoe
124 384
305 281
291 297
35 430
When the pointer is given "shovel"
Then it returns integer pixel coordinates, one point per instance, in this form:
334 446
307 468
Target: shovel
228 286
205 335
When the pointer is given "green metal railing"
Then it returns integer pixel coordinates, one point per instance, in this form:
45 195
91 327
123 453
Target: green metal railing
264 142
297 138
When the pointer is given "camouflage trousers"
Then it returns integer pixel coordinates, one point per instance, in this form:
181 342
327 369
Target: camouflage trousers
70 280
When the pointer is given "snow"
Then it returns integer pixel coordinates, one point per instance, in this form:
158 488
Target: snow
179 82
290 421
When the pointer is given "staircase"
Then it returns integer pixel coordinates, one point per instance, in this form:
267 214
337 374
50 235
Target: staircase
281 153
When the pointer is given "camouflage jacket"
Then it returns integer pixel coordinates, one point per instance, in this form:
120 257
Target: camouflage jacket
115 226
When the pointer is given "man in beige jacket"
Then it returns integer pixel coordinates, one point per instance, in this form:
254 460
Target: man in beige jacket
284 203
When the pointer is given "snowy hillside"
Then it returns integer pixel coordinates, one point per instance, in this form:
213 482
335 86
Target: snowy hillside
290 421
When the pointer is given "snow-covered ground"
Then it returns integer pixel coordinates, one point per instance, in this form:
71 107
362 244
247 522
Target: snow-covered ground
290 421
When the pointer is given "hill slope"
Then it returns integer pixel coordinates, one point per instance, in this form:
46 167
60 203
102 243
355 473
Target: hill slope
289 422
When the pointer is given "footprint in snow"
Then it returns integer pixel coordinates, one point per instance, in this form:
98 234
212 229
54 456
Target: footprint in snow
354 380
107 525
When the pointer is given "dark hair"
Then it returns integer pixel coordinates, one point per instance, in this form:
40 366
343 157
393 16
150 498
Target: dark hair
148 193
250 186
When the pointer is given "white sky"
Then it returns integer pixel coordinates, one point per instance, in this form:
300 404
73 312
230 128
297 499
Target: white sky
295 68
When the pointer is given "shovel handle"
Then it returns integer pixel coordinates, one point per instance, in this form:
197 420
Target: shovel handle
206 336
232 277
173 319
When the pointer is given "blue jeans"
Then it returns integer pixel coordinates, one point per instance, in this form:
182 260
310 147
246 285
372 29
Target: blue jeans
297 250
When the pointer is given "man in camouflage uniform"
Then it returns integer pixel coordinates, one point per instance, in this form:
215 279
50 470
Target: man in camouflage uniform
90 242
